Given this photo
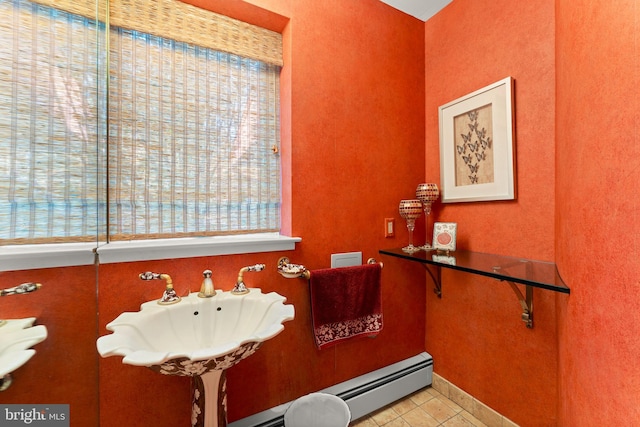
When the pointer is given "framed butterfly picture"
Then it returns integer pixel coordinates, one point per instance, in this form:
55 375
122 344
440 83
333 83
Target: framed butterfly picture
444 236
477 145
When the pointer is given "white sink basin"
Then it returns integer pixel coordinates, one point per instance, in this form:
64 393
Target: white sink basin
17 336
219 330
200 338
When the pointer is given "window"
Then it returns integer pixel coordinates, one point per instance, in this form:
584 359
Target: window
191 140
48 125
185 143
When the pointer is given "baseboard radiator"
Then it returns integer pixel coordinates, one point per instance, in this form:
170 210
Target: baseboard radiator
364 394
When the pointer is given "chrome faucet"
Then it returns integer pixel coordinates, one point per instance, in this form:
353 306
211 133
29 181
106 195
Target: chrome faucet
24 288
169 296
240 288
206 290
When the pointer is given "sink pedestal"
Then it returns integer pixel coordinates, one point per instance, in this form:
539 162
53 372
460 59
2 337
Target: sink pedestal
206 390
208 383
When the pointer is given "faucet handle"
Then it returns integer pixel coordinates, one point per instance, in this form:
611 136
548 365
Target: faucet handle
169 296
240 288
21 289
149 276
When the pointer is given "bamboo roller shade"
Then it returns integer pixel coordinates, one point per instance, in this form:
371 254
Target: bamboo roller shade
182 22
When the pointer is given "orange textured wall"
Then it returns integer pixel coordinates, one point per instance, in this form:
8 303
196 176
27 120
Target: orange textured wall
354 121
65 367
352 148
474 332
598 144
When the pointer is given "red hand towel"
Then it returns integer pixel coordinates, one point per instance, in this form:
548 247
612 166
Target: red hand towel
345 303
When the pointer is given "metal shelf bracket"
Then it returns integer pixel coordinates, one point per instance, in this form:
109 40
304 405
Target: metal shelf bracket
526 301
437 280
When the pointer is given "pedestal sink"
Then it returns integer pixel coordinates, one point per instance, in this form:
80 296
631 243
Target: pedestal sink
17 336
200 338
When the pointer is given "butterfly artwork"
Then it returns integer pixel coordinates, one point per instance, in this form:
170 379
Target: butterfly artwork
473 147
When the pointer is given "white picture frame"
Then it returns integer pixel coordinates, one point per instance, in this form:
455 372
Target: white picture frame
477 145
444 236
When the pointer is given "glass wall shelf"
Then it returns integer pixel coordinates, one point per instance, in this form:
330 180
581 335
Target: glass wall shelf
530 273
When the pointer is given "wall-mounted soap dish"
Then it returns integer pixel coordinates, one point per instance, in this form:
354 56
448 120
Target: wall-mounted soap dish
291 271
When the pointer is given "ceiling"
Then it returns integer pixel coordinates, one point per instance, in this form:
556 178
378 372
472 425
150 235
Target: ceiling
421 9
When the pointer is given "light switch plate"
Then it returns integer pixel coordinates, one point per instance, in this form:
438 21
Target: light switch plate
389 227
346 259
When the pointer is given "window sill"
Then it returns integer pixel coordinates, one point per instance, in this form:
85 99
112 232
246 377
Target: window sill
29 257
145 250
74 254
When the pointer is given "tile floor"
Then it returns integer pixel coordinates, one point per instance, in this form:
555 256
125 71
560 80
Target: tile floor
424 408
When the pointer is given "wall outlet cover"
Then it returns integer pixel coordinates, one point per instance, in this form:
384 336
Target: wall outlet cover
346 259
